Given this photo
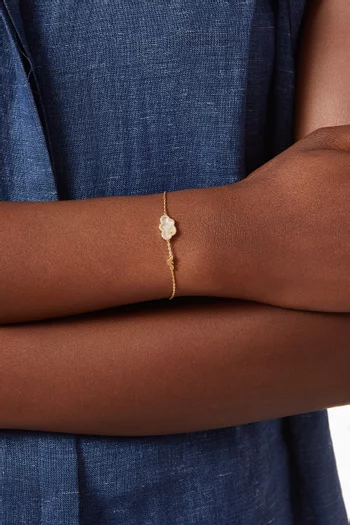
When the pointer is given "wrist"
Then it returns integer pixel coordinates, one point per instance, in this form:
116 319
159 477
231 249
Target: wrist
210 246
234 247
231 243
195 214
249 239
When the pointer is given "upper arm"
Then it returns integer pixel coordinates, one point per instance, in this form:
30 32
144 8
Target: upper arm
323 87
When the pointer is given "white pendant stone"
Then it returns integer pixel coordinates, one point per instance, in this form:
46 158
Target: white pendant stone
167 227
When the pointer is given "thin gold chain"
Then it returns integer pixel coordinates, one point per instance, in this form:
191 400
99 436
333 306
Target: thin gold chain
164 203
170 261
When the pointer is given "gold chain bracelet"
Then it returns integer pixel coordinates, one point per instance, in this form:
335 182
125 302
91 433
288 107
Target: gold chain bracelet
168 229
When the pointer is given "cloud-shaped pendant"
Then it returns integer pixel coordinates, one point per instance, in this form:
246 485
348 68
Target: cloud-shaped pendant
167 227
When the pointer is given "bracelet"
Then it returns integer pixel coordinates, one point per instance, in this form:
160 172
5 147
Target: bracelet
168 229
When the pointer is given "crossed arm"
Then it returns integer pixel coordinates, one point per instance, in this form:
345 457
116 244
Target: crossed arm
171 367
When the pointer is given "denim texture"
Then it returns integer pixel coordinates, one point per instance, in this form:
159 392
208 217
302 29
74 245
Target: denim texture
102 98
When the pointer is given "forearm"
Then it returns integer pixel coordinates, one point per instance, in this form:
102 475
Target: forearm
71 257
324 73
172 369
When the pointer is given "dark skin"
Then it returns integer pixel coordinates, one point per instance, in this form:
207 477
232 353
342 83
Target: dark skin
138 372
173 368
280 237
323 87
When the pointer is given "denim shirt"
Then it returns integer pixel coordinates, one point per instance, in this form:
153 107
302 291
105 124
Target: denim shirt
129 97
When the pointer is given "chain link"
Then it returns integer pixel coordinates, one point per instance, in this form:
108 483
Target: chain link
170 261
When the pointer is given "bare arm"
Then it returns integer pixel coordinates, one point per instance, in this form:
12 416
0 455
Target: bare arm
262 239
137 372
70 257
324 74
172 369
272 238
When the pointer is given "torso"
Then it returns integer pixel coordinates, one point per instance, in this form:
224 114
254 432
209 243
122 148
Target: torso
140 97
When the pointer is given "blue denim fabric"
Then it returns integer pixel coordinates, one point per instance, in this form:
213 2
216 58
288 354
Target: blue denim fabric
130 97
